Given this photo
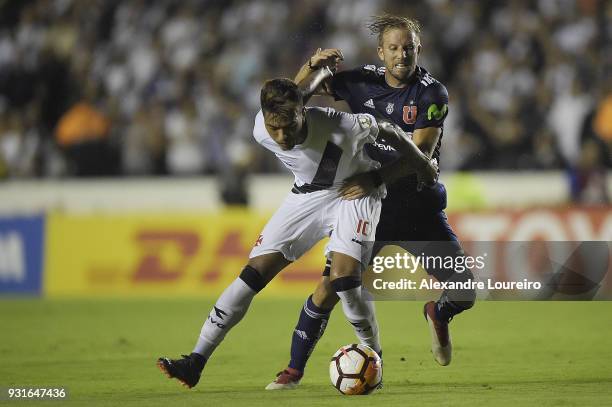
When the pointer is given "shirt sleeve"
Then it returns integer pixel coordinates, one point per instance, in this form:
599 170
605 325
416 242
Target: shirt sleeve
361 127
260 134
342 84
338 86
432 107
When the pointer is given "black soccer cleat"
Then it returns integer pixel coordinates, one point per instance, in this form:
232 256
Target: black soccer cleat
186 370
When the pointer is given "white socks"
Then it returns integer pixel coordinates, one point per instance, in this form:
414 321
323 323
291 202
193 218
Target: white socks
360 313
234 302
227 312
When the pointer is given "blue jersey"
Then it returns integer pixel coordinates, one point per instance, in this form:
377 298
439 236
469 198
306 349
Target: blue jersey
422 103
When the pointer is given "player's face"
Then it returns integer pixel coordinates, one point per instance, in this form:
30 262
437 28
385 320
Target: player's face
286 130
399 51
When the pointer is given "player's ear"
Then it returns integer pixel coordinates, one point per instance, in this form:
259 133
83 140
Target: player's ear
419 49
381 55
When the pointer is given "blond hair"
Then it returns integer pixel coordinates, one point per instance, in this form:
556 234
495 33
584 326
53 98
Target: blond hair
378 25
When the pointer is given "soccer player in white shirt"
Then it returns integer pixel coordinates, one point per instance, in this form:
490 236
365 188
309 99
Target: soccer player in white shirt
321 147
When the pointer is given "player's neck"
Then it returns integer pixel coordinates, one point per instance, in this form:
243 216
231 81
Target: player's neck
396 83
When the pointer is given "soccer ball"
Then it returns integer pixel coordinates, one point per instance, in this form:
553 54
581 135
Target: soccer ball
355 369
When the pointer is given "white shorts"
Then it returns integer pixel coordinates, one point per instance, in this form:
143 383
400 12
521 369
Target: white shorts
304 219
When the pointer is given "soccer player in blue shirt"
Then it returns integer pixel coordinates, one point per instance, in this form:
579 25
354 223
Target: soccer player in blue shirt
406 94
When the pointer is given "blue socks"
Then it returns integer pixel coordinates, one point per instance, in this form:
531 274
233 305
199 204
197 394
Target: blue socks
310 327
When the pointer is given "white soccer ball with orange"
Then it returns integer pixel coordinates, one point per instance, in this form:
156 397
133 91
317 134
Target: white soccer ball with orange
355 369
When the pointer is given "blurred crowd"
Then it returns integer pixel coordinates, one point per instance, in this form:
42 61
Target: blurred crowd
144 87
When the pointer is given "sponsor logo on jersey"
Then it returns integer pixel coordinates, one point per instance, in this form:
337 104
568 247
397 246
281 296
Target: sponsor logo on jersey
434 112
409 114
369 103
383 146
390 107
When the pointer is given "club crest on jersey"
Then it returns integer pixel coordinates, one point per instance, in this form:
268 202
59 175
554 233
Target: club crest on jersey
259 241
390 107
365 121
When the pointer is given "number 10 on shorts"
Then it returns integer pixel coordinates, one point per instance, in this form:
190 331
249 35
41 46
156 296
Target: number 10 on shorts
362 227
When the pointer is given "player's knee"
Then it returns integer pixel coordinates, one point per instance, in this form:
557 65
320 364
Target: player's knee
470 304
260 270
465 299
253 278
343 265
343 271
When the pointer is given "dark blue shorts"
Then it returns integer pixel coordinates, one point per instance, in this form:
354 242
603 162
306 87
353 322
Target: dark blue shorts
404 225
422 220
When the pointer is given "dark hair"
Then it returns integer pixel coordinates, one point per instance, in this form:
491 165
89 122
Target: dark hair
280 96
379 24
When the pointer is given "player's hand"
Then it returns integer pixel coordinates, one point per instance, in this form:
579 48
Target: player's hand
329 57
428 175
357 186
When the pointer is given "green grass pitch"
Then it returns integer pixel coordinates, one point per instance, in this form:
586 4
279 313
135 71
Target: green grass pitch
506 353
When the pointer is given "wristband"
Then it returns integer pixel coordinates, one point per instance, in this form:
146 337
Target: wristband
376 178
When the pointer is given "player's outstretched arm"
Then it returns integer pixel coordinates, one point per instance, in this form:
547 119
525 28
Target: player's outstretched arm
322 58
413 158
426 140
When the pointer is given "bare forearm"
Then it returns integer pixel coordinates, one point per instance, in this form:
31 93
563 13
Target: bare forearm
327 58
303 81
412 157
303 73
412 161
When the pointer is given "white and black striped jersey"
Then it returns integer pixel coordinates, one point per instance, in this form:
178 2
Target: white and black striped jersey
332 151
